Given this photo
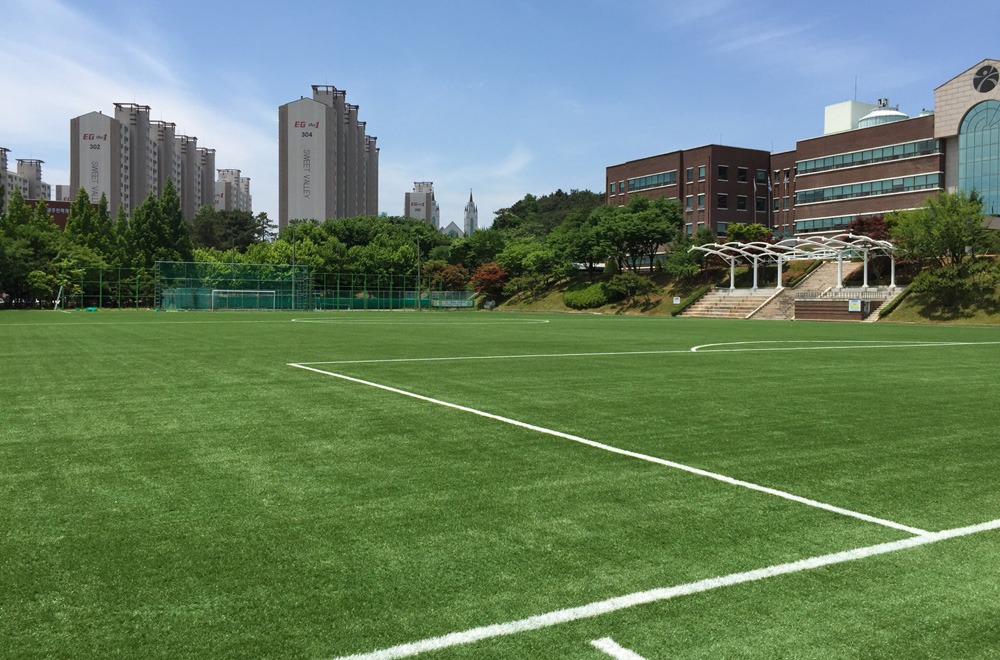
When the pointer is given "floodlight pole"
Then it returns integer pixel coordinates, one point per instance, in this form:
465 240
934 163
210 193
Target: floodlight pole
865 254
293 266
732 273
892 271
840 269
779 272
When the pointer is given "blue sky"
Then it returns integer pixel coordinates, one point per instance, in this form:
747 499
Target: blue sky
505 98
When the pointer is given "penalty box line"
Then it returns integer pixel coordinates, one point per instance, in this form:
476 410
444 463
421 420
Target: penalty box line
617 603
839 345
625 452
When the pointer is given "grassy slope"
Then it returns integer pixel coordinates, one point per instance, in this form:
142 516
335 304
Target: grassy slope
914 309
660 303
172 489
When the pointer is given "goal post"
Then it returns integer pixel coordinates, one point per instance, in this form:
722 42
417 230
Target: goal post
188 285
244 299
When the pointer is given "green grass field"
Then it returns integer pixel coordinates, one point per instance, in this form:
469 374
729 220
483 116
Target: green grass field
172 485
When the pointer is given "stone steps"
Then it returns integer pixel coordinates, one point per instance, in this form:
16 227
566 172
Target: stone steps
722 304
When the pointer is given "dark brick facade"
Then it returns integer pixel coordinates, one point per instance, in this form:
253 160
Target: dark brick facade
715 184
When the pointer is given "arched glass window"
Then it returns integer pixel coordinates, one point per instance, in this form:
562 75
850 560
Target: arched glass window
979 154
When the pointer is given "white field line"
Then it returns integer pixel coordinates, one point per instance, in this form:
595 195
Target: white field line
613 649
661 594
697 349
625 452
851 344
423 322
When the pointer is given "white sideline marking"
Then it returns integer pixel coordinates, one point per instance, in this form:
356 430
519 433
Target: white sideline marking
696 349
663 593
624 452
500 357
851 344
612 648
423 322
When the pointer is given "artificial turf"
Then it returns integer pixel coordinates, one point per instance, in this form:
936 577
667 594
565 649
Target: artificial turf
171 487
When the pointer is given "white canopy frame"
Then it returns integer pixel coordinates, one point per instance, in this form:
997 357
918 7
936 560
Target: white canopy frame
826 248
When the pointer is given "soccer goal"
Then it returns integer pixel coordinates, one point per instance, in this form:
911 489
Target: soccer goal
244 299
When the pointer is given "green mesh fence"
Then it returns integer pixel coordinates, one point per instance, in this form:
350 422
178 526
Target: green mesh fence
237 286
112 287
359 291
187 285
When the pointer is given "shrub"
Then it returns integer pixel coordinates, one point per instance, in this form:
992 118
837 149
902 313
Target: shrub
627 286
532 284
595 295
956 286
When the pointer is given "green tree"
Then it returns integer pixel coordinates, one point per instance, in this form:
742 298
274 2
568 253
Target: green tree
949 230
480 248
150 238
81 222
122 239
104 231
638 229
177 237
577 240
444 276
29 244
747 233
538 216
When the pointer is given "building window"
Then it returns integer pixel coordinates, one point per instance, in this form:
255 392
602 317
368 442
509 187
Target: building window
723 200
761 205
723 173
762 176
653 181
701 172
689 177
701 201
689 203
777 203
611 188
868 156
741 202
785 202
721 227
979 154
788 174
688 229
621 187
777 176
870 188
741 174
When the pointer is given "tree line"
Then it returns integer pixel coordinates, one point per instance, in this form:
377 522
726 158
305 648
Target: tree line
531 244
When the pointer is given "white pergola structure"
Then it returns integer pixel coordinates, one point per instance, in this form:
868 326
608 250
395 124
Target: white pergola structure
797 249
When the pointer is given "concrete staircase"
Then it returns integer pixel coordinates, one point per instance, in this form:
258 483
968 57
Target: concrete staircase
874 316
782 306
779 308
724 304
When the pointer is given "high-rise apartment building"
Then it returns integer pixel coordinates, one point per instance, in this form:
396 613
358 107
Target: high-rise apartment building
421 205
129 158
99 159
27 179
232 192
140 152
328 166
